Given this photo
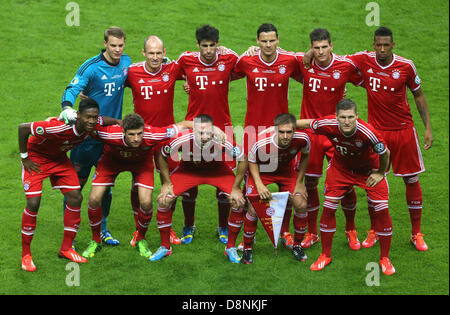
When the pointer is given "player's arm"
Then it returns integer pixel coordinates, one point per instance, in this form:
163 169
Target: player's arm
376 176
166 187
422 107
303 123
300 188
24 133
78 83
263 192
236 195
308 58
108 121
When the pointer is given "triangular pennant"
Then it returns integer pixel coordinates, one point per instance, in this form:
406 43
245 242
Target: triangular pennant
271 213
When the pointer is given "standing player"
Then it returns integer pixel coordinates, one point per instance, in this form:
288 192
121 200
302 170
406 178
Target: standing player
323 87
271 160
387 78
127 148
101 78
268 73
361 158
204 160
44 156
208 75
152 84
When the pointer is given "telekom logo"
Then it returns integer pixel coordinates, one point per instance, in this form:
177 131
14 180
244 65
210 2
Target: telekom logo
146 91
202 81
260 83
374 83
314 83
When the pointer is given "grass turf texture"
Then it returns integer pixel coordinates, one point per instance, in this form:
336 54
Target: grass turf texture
42 54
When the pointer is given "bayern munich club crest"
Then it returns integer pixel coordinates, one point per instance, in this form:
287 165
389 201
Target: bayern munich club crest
282 69
396 74
165 77
221 67
270 211
336 74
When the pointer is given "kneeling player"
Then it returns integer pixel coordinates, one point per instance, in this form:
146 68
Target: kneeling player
357 145
44 155
271 160
203 161
127 148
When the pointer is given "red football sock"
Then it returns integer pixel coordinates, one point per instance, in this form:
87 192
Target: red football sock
135 205
28 228
250 225
300 222
371 210
188 202
144 219
234 226
348 205
414 201
95 220
72 219
313 209
164 218
328 226
286 219
224 206
383 227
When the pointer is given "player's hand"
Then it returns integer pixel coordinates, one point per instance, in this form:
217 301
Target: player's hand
264 193
374 178
237 198
300 190
428 140
31 166
186 87
83 96
219 135
252 51
68 115
164 197
307 59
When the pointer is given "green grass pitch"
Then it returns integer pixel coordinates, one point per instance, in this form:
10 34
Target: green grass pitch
40 55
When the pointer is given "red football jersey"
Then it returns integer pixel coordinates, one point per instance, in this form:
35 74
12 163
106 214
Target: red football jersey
153 92
273 159
358 152
267 86
323 88
54 138
208 84
184 148
115 145
388 107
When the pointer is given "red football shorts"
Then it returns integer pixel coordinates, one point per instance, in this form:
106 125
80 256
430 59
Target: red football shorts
320 147
108 168
339 181
286 181
185 178
406 157
62 176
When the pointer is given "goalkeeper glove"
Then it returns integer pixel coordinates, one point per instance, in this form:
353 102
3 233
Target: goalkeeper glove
68 115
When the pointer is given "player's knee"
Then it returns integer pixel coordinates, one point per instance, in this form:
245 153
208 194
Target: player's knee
299 203
411 180
33 204
311 182
74 198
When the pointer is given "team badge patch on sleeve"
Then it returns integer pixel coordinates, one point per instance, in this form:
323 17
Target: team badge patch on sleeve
170 132
379 147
